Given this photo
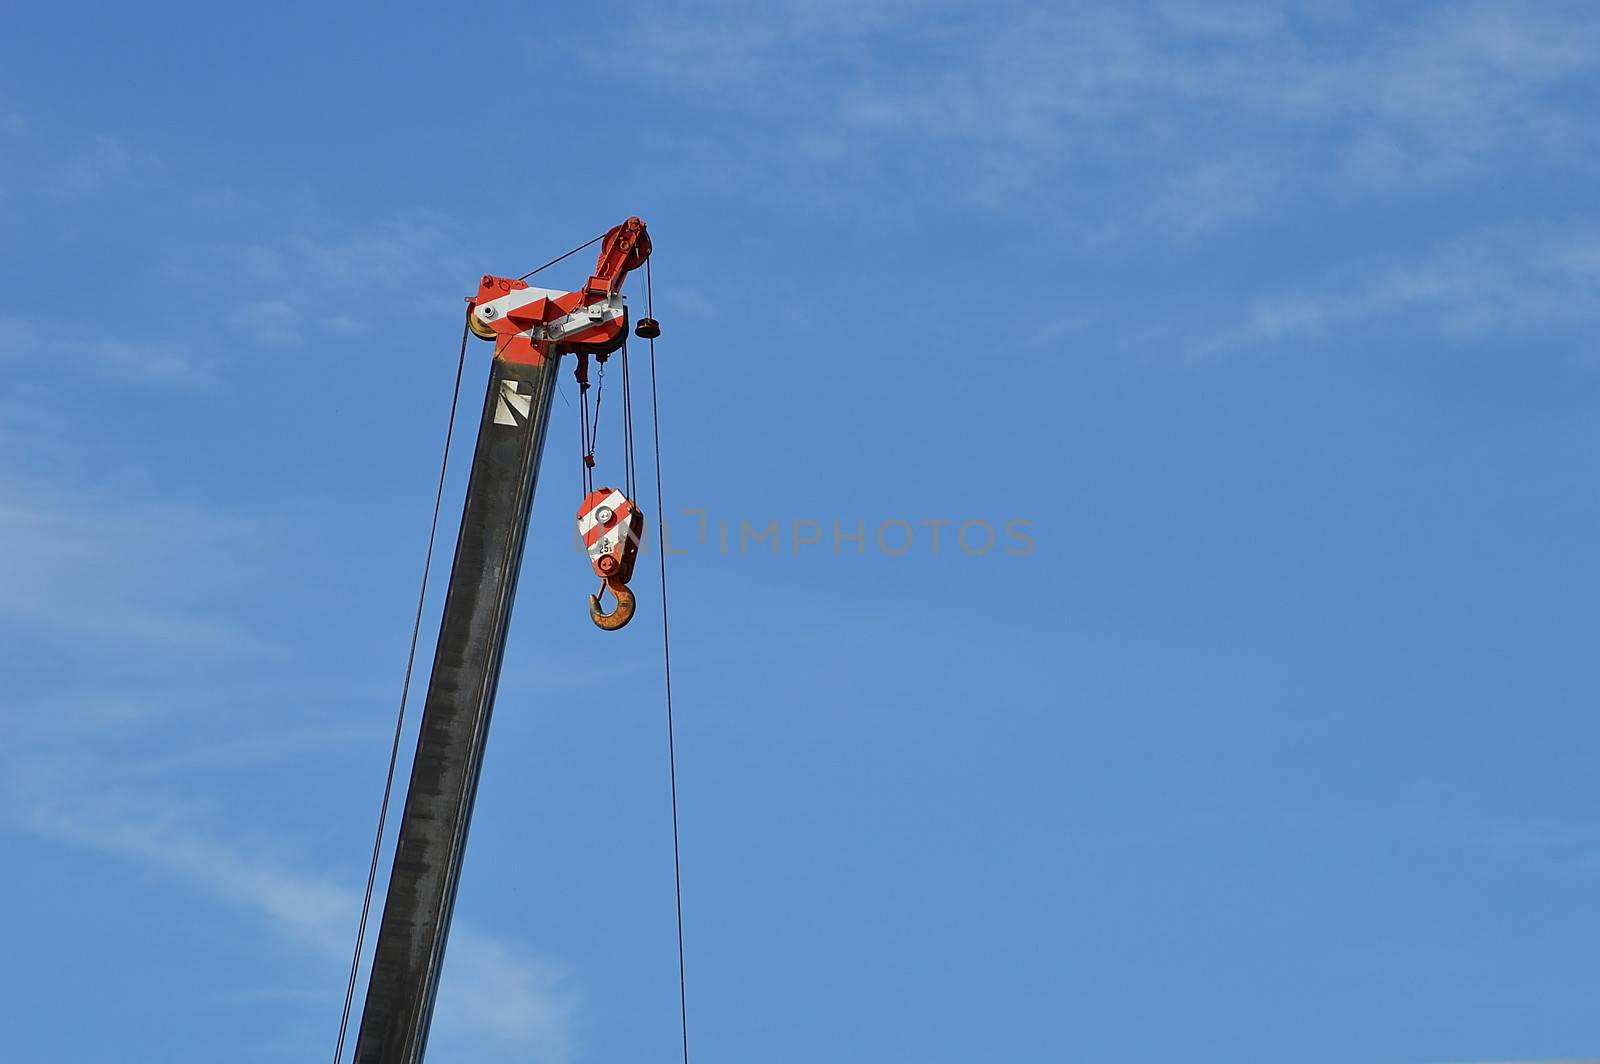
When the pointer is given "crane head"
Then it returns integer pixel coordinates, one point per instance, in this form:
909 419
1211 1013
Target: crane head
530 324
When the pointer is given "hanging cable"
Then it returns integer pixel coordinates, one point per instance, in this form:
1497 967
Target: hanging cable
400 717
666 655
599 394
629 479
585 444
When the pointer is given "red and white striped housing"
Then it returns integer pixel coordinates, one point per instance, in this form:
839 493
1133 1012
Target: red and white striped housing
527 323
611 527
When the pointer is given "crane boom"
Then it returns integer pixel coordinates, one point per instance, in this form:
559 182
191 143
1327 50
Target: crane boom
531 329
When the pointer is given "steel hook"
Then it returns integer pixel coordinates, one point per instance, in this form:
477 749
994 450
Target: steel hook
621 615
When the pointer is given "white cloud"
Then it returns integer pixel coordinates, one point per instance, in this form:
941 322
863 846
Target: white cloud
126 764
1515 280
491 991
151 362
268 322
394 253
132 825
1193 118
497 1002
19 339
397 251
120 575
300 287
103 158
34 344
353 280
1213 195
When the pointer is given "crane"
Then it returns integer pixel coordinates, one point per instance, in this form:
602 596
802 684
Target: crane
531 329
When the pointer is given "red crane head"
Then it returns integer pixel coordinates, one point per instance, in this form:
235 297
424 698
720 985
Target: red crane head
529 324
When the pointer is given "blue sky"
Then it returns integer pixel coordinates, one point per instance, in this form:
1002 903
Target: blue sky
1274 323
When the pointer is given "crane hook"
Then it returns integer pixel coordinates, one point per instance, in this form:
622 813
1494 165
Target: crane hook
621 615
611 527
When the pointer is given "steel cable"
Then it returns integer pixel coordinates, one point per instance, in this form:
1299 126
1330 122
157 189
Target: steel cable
400 717
666 655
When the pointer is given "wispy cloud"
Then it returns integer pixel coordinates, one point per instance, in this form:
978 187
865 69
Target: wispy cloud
492 990
1170 115
31 343
495 999
268 322
120 574
351 279
124 760
1514 280
132 824
299 289
99 161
